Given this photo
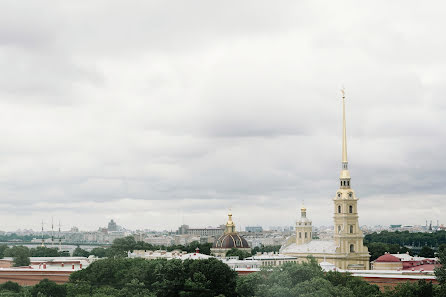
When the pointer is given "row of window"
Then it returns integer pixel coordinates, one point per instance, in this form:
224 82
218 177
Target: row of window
306 235
351 228
345 183
350 209
349 195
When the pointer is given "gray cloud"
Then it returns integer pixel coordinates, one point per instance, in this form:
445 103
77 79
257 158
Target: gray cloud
151 112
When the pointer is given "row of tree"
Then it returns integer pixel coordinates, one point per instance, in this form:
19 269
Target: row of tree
121 277
406 238
121 246
21 254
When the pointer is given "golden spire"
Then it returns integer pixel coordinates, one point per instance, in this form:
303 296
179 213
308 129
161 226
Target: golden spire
344 133
345 174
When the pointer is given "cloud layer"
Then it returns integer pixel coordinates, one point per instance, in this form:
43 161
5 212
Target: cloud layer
157 113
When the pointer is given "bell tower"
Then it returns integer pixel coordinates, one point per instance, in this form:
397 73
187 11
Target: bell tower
304 229
347 234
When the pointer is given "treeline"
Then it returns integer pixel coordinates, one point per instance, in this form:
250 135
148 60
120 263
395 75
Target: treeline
21 254
265 249
122 277
397 242
15 237
121 246
405 238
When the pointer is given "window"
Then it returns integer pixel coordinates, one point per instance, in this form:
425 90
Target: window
339 229
305 234
350 209
310 234
339 195
352 248
339 209
350 194
300 235
351 228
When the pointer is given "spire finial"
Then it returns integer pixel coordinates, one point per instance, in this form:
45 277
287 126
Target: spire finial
230 226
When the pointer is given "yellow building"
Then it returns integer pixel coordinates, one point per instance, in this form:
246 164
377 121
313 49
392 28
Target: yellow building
346 250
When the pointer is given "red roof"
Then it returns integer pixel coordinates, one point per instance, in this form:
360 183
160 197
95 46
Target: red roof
387 258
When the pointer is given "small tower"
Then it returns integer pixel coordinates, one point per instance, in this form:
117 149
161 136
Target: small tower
304 229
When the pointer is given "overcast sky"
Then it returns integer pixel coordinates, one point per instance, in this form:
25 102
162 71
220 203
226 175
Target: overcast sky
158 113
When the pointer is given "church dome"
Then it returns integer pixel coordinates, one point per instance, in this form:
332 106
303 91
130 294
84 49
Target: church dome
230 240
387 258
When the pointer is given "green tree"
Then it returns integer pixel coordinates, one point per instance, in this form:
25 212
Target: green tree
248 284
77 289
238 253
10 286
79 252
42 251
20 255
3 248
49 288
99 252
427 252
64 254
265 249
440 272
121 246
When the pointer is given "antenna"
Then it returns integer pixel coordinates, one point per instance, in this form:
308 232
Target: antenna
60 239
52 232
43 240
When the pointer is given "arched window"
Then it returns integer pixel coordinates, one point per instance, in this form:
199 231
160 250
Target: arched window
305 234
339 228
348 183
350 209
339 209
300 235
341 183
352 248
351 228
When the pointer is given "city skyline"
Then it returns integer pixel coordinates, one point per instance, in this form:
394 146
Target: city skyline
143 114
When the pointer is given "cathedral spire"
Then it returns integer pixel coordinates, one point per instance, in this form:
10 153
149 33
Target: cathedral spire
345 174
344 133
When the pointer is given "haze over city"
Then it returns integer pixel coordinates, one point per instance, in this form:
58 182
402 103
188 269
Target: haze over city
157 115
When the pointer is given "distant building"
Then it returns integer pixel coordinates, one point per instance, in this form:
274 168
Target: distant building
272 259
254 229
184 229
404 262
112 226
